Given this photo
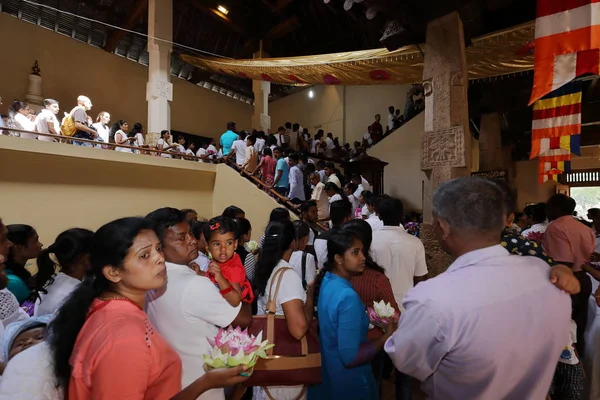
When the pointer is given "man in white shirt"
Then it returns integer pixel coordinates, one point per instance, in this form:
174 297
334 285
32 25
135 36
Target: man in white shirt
238 148
401 253
260 142
365 195
492 326
296 178
320 196
391 117
211 150
102 127
23 118
357 179
329 144
202 152
373 217
331 176
46 121
189 309
341 212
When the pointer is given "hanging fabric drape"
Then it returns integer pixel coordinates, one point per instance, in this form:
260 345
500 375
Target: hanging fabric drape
496 54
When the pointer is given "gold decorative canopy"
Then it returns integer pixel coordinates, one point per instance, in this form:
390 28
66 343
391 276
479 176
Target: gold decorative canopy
499 53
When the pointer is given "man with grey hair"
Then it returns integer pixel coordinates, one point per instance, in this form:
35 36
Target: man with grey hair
482 329
46 121
79 115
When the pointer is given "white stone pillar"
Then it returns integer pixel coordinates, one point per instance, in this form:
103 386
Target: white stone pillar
260 118
261 89
159 90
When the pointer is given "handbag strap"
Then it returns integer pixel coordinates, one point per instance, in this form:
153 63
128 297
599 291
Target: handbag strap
304 283
271 309
272 300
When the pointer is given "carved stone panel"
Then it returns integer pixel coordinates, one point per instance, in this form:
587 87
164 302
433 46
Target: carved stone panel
437 259
160 89
443 148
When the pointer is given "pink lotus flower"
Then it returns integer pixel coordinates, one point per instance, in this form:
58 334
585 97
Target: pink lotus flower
232 347
234 340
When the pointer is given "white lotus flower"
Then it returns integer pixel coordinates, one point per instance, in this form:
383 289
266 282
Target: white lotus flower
383 310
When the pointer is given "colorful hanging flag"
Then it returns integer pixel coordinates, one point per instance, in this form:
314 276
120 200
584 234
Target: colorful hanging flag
567 43
555 130
551 170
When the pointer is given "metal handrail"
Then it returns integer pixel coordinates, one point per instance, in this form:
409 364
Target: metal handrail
64 139
284 201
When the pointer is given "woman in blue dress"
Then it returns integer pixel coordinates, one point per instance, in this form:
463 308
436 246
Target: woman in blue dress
346 353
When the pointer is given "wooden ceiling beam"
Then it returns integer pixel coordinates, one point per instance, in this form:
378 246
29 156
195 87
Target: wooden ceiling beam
283 28
139 9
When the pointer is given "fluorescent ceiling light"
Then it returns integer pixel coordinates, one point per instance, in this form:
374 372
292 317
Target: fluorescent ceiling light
310 94
223 10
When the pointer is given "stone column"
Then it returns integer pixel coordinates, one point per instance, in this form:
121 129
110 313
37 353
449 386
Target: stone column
159 89
260 117
261 89
446 142
491 155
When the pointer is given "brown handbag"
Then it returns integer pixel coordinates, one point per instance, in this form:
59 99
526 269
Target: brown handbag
290 362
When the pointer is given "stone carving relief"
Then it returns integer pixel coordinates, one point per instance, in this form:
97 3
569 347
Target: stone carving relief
265 122
161 89
437 259
444 148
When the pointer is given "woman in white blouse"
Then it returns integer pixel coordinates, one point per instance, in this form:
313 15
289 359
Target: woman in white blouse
121 137
333 191
69 254
22 117
137 133
292 301
164 144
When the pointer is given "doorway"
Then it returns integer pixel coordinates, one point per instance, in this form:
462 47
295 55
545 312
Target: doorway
586 197
584 187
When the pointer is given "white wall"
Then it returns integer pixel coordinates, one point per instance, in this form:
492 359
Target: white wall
346 111
113 83
364 101
403 177
325 110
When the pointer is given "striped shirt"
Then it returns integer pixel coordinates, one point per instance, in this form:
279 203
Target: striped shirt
374 286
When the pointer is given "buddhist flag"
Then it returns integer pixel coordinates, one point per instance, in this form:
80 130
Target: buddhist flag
552 169
567 43
557 124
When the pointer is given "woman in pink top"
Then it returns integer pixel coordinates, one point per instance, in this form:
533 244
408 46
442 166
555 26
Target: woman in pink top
266 166
103 344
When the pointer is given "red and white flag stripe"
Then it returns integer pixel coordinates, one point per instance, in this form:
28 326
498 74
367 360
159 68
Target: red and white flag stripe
567 43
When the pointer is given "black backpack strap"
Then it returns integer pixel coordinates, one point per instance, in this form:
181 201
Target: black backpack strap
304 284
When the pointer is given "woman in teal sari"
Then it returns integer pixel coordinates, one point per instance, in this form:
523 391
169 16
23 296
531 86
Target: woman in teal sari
346 352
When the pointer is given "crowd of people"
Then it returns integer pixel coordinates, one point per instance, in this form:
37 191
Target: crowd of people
127 311
79 124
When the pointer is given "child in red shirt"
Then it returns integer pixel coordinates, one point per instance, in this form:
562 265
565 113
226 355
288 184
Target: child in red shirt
226 269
